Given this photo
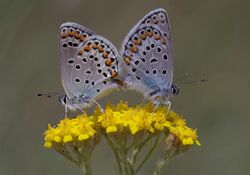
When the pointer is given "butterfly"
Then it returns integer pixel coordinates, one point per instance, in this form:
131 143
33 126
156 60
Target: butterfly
148 58
88 66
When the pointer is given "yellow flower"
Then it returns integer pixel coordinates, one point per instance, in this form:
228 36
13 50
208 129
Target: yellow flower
121 117
68 130
127 130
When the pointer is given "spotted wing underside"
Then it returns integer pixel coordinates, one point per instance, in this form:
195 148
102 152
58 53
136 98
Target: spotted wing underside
71 37
147 53
88 62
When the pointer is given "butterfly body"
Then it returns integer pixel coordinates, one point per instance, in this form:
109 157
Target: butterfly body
148 59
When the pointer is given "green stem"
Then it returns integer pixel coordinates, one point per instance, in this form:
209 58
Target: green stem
124 154
114 149
86 167
139 148
149 153
160 164
131 167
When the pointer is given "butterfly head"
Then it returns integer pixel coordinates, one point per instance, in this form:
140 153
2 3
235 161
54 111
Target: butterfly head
175 90
63 99
75 103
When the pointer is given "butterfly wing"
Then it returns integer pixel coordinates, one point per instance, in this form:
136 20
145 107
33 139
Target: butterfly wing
94 68
71 37
147 53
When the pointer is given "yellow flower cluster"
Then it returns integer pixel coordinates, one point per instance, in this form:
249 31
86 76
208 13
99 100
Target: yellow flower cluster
145 118
118 119
79 128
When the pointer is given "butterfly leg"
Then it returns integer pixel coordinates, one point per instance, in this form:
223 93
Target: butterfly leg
147 96
66 111
168 103
98 104
142 102
78 107
156 104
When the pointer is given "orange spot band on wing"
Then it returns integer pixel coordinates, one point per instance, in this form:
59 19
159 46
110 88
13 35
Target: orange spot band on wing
83 37
113 74
150 33
143 36
137 41
108 62
87 48
80 52
64 35
100 48
127 60
105 54
157 37
71 33
94 46
133 48
163 41
77 35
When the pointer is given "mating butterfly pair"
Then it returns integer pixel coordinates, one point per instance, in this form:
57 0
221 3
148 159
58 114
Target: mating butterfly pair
91 66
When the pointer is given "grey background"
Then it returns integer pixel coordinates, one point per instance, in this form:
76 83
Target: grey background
211 40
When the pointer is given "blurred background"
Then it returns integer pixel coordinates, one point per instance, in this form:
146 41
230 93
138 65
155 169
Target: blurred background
211 40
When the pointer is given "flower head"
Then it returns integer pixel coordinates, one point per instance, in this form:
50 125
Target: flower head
68 130
127 131
140 119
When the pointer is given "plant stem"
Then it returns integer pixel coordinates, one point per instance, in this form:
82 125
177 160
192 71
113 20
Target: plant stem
86 167
114 149
163 162
149 153
139 148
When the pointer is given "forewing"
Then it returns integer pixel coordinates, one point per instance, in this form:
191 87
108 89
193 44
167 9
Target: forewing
71 37
147 53
94 68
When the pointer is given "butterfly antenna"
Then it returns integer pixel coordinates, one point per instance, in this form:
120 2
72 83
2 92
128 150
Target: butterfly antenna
197 81
182 77
51 94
